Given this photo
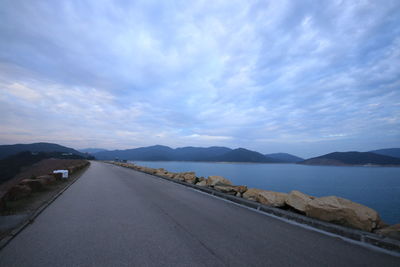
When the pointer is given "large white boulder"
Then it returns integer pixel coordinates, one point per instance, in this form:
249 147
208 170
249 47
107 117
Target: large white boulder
271 198
298 200
169 175
231 189
214 180
189 177
161 172
343 211
202 183
251 194
178 177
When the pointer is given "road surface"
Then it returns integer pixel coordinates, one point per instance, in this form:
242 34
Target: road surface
113 216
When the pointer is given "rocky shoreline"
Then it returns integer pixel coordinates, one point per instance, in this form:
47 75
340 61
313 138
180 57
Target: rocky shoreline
330 209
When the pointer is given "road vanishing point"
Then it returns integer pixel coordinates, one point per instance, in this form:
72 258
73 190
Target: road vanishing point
114 216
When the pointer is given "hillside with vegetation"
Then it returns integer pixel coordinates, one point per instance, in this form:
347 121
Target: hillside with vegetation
8 150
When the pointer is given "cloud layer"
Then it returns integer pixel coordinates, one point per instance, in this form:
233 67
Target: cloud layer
306 77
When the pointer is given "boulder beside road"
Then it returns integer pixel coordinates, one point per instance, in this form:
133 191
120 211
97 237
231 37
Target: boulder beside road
169 175
271 198
202 183
298 200
343 211
251 194
231 189
189 177
214 180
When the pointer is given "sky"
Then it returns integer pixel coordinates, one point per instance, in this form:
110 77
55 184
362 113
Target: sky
303 77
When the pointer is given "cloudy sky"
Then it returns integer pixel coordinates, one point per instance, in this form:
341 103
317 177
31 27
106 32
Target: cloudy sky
304 77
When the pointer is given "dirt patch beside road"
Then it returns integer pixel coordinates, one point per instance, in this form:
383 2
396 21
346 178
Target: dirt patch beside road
43 167
24 206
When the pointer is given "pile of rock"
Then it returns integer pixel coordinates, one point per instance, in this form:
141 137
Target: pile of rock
330 209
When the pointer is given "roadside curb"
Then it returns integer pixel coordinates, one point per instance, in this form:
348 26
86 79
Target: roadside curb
31 218
353 234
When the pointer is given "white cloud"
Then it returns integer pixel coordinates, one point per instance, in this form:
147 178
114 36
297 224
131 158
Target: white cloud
235 73
211 138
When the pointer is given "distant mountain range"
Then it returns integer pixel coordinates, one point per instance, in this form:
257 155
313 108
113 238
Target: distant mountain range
243 155
91 150
352 158
392 152
225 154
8 150
213 154
285 157
389 156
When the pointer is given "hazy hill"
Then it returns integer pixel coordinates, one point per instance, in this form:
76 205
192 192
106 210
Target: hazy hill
392 152
11 165
150 153
284 157
158 152
243 155
8 150
91 150
199 153
352 158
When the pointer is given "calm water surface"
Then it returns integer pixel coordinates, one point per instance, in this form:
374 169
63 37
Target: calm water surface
375 187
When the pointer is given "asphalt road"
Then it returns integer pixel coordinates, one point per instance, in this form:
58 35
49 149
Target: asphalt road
113 216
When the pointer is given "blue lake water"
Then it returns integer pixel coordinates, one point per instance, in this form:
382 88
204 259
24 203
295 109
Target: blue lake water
375 187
